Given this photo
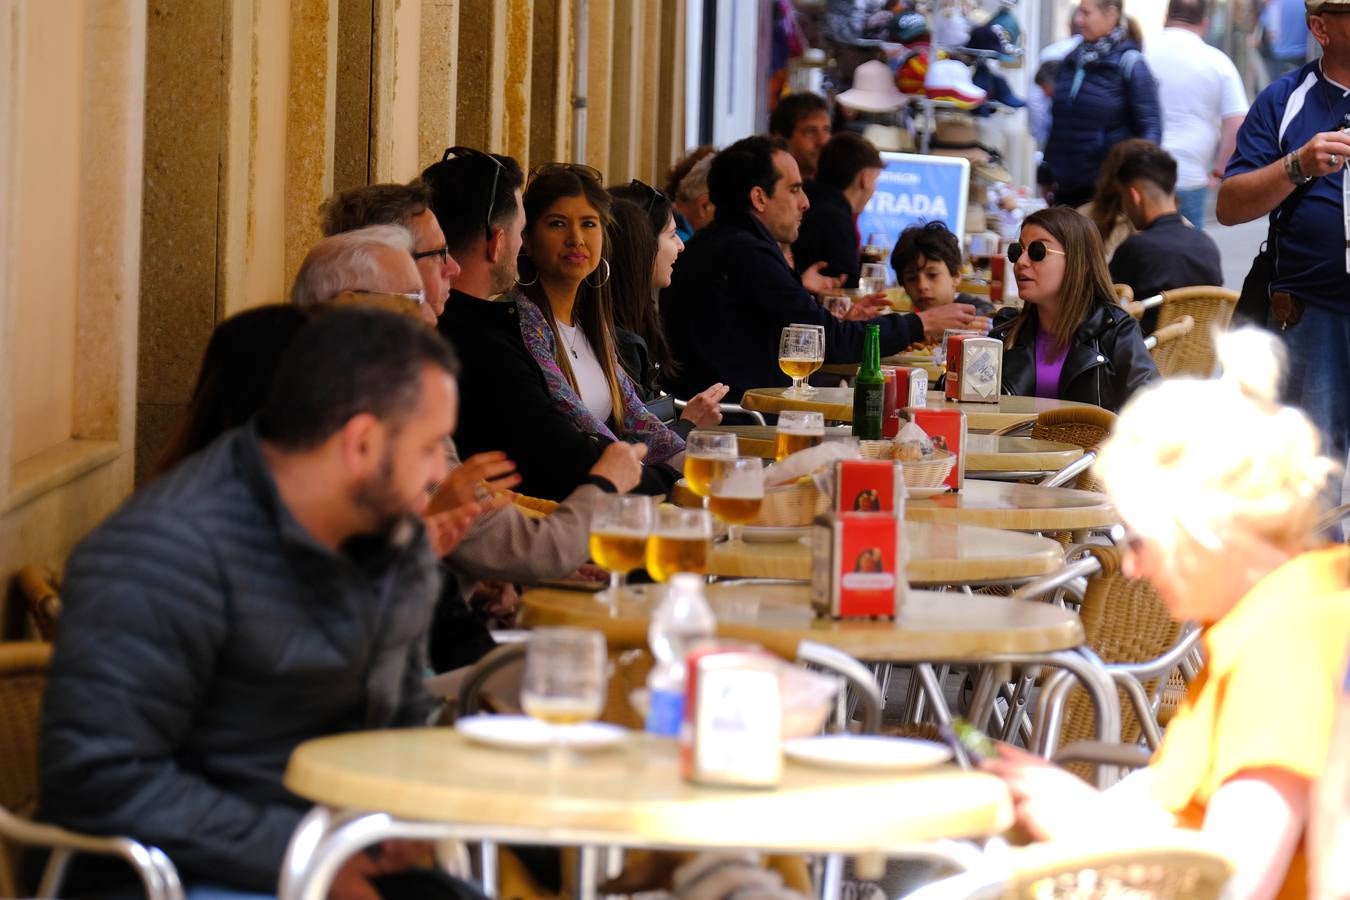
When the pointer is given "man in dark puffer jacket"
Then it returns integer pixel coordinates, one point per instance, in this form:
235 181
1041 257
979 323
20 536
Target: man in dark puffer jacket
1104 93
275 587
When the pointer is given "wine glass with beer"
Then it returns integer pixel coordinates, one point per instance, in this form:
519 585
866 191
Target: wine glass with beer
738 493
801 351
798 430
564 683
704 451
875 249
679 542
620 527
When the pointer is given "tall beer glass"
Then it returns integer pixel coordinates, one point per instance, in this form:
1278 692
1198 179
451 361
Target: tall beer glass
679 542
798 430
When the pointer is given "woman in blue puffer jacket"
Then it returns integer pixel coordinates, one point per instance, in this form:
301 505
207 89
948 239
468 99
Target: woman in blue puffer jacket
1104 93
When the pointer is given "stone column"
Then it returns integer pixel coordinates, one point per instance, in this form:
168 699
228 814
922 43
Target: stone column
551 82
438 85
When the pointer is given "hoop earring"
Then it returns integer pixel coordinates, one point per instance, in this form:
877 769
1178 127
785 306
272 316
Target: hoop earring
604 281
531 281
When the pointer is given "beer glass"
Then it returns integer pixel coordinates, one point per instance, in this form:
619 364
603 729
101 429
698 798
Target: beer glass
619 530
738 493
877 246
873 279
566 670
798 430
679 542
801 351
703 451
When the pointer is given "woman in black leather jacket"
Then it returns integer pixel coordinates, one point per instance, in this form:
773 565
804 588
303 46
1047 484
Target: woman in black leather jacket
1071 340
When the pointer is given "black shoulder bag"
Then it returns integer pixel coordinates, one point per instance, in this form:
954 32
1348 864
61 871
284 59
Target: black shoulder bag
1254 302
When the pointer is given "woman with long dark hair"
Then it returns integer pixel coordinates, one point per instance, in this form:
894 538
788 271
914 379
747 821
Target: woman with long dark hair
568 319
1070 340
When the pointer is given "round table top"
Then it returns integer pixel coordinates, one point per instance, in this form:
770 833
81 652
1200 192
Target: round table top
931 626
938 554
984 452
634 796
1017 507
837 404
914 359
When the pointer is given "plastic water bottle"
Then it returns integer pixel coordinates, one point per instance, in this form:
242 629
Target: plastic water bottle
682 619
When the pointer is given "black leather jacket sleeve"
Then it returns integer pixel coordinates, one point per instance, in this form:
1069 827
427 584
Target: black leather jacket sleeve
1130 360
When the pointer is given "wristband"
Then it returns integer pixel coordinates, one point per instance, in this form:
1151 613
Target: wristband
601 482
1294 169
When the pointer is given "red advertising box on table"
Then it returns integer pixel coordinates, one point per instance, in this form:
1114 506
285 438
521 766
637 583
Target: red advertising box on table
947 428
974 368
913 386
858 567
866 485
733 734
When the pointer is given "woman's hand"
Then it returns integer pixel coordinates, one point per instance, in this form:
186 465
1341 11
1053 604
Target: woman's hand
474 479
1048 801
816 283
703 410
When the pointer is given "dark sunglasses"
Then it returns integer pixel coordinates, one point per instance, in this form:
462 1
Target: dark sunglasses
1036 250
653 195
471 153
581 171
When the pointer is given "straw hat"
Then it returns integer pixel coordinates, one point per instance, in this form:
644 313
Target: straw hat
889 138
873 89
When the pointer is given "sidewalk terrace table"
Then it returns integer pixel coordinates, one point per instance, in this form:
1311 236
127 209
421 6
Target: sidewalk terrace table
913 359
938 555
1004 456
432 784
836 404
1016 507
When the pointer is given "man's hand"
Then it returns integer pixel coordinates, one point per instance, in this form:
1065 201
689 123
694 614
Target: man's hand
464 483
938 319
816 283
867 307
352 881
621 465
1325 154
703 410
446 529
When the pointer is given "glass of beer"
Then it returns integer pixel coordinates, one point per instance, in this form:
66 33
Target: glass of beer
738 493
798 430
564 682
679 542
877 246
704 450
619 531
801 351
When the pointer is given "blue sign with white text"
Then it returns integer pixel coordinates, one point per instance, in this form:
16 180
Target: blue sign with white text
913 189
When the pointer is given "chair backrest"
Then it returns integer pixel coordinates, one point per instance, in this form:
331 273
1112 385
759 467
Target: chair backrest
1166 351
1212 309
1172 864
23 679
41 594
1083 426
1124 621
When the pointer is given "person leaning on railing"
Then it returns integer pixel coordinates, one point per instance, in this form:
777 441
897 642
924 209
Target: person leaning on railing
1217 485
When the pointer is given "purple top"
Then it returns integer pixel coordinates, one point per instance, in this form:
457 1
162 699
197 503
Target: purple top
1048 368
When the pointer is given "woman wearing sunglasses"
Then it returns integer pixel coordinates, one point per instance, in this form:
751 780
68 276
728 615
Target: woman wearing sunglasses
1071 340
568 322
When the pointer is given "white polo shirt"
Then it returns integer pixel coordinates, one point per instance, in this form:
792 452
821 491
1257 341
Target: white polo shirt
1198 86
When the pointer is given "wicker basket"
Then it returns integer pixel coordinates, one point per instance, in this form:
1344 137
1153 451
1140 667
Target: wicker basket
929 472
792 505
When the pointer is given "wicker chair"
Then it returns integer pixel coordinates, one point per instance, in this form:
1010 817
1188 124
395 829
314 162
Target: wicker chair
1166 343
23 679
1167 865
1084 426
1128 627
41 594
1212 309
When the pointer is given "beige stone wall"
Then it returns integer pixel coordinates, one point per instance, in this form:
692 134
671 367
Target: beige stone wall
164 170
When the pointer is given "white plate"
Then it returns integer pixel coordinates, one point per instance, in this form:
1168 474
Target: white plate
524 733
771 534
922 493
874 752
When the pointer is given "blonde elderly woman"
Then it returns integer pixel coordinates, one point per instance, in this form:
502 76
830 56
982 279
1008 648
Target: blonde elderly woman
1218 485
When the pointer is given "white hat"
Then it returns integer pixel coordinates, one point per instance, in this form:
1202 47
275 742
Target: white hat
950 80
873 89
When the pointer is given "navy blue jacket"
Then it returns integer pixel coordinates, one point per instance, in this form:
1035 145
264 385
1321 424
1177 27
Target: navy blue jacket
730 297
1094 112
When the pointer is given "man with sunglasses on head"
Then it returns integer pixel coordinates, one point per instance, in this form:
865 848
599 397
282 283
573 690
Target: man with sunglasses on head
408 205
733 291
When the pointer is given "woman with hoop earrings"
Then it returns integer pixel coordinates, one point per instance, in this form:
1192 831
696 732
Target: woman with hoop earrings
568 322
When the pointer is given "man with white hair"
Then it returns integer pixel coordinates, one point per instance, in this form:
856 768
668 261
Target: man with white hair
375 261
691 198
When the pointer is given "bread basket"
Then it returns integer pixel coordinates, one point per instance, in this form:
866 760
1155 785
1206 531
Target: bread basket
792 505
928 472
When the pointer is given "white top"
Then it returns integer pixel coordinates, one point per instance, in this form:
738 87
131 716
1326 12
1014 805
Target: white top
1197 87
591 383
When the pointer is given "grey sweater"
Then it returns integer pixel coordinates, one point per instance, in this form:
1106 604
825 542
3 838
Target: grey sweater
205 634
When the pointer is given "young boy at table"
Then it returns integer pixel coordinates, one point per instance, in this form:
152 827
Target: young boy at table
927 260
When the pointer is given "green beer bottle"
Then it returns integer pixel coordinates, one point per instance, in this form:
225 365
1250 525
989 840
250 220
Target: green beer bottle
869 389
